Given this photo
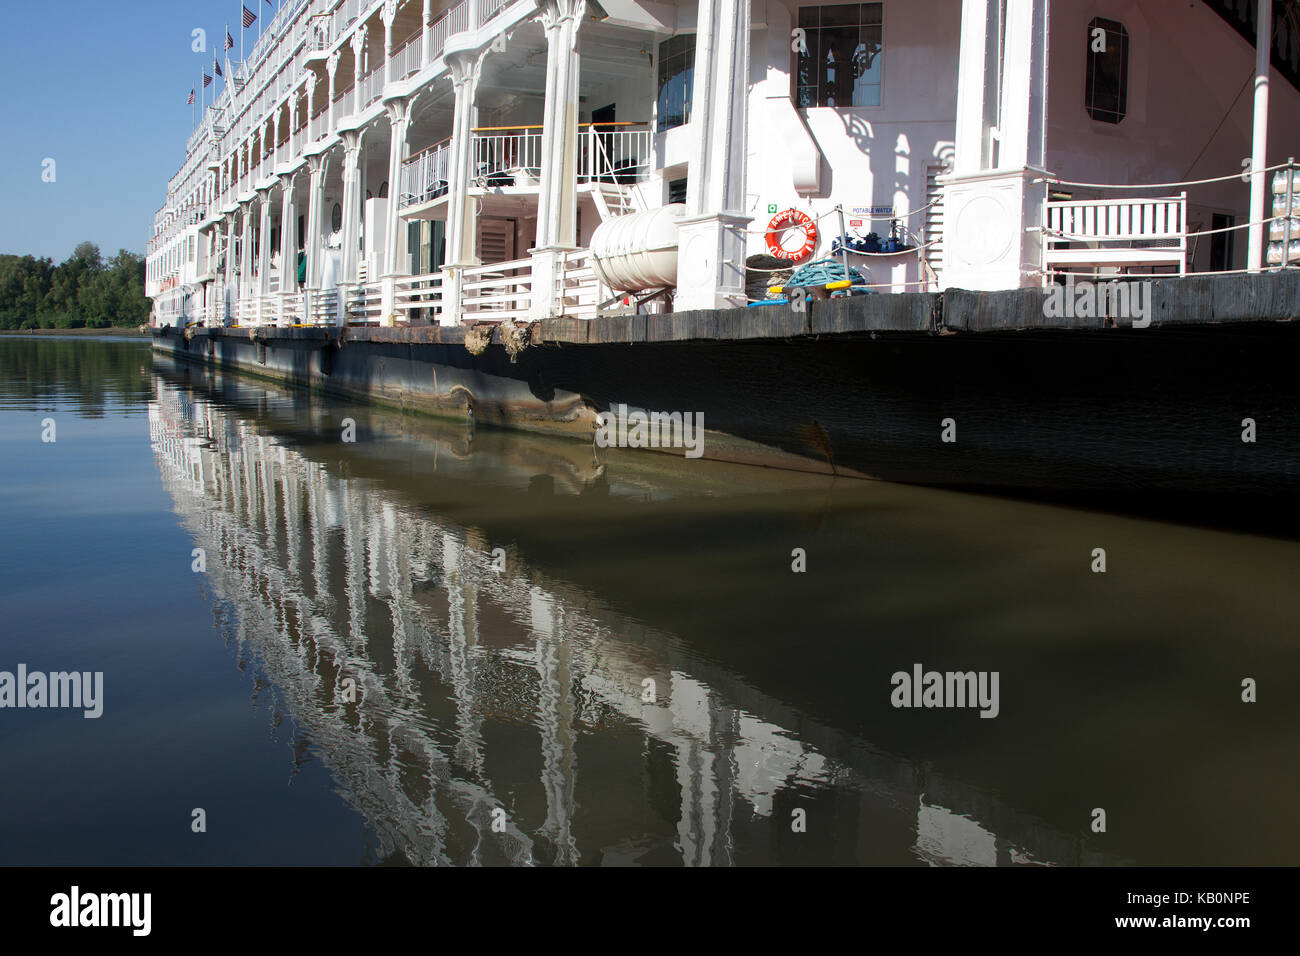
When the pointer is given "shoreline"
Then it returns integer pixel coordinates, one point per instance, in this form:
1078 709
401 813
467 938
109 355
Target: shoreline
116 330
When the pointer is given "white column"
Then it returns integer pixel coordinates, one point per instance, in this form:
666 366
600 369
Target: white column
399 118
1259 139
264 244
288 237
557 204
316 164
332 67
229 289
426 40
993 199
465 69
351 204
246 252
389 11
711 258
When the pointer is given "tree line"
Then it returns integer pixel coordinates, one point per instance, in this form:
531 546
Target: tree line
83 291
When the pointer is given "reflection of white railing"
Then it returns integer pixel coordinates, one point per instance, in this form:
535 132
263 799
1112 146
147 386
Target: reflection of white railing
1116 232
425 175
499 290
508 156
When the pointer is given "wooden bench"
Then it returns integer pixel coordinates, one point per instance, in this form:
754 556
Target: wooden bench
1116 232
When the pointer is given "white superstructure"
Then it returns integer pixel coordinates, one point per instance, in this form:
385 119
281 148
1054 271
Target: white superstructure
415 161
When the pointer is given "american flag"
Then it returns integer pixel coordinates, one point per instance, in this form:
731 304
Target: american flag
230 41
207 80
216 67
249 18
190 101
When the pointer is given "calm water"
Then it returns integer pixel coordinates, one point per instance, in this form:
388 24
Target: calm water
359 676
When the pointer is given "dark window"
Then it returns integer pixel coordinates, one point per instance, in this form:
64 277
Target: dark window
676 78
1221 242
1106 90
841 55
677 190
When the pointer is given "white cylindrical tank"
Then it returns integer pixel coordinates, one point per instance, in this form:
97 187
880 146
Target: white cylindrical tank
639 251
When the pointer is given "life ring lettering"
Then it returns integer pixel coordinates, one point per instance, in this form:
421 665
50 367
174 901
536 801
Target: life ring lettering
791 219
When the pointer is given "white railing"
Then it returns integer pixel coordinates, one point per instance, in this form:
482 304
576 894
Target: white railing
291 309
578 292
365 303
345 15
440 30
320 34
419 295
498 290
344 102
1115 232
319 125
406 61
370 88
458 19
324 307
425 175
487 9
614 153
510 156
246 311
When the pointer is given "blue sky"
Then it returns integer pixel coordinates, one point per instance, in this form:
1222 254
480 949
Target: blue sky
99 86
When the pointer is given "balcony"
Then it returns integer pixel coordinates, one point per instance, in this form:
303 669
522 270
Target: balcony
507 156
406 60
425 175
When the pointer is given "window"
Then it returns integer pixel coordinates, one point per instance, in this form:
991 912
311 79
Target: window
1106 90
841 55
676 79
677 190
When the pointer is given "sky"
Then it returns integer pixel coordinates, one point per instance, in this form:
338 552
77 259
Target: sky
99 86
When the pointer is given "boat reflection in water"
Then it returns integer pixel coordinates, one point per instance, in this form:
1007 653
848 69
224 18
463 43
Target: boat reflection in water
507 651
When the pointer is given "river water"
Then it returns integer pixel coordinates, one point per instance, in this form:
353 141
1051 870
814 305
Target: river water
428 645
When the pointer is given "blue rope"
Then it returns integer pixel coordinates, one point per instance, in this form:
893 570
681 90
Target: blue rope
823 271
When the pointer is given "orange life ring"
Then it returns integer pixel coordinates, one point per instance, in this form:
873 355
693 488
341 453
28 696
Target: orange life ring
787 219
